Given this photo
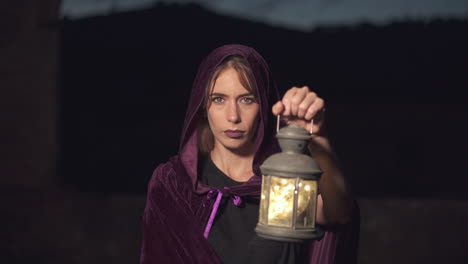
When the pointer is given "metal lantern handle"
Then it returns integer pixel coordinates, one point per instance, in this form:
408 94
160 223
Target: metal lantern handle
278 117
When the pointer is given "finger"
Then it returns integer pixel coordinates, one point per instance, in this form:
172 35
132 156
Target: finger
297 99
287 100
277 108
306 103
316 106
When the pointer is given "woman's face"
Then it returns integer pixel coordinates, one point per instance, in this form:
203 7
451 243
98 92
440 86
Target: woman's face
232 113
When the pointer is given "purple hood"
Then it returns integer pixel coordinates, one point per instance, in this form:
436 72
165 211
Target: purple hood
178 207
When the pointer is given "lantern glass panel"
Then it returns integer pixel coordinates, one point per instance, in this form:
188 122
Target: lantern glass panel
281 201
264 200
306 203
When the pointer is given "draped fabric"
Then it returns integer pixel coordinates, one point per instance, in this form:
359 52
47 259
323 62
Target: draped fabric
178 206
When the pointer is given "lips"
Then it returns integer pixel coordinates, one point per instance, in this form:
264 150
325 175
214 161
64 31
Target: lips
234 133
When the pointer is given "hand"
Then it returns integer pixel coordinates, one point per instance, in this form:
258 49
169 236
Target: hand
299 106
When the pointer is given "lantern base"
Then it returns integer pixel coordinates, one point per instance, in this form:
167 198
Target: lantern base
288 235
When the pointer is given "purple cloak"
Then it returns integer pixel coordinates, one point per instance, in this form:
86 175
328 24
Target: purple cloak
178 207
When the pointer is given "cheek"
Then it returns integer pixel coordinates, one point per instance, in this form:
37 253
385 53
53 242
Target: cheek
213 118
254 116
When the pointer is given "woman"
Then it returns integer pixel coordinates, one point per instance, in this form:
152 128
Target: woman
202 204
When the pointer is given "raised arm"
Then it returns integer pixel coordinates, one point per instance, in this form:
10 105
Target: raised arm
335 202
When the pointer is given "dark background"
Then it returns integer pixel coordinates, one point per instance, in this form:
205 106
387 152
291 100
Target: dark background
93 105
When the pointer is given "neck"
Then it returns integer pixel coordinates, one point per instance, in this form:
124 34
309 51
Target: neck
237 166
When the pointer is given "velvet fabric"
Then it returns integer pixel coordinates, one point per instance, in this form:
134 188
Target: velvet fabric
178 206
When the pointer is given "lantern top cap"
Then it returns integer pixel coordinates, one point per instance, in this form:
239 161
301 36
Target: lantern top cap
293 132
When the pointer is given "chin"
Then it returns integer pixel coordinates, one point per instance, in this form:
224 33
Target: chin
238 146
234 145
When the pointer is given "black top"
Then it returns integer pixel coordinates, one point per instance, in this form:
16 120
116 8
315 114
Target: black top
233 232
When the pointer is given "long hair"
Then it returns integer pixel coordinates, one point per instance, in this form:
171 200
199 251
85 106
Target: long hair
246 78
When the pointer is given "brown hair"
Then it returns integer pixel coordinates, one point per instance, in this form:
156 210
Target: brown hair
246 78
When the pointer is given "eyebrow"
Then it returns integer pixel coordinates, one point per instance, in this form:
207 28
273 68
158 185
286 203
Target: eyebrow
221 94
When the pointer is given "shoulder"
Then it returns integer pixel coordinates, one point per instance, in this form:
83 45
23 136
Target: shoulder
170 176
163 174
168 188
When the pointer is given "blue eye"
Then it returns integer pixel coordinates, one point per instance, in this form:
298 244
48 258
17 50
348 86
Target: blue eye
217 99
248 100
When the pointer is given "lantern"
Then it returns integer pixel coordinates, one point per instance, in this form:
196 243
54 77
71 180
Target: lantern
289 190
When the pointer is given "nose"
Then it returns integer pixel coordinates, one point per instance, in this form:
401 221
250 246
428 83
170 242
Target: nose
233 115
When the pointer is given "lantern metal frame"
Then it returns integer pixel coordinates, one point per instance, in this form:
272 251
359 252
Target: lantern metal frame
291 163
